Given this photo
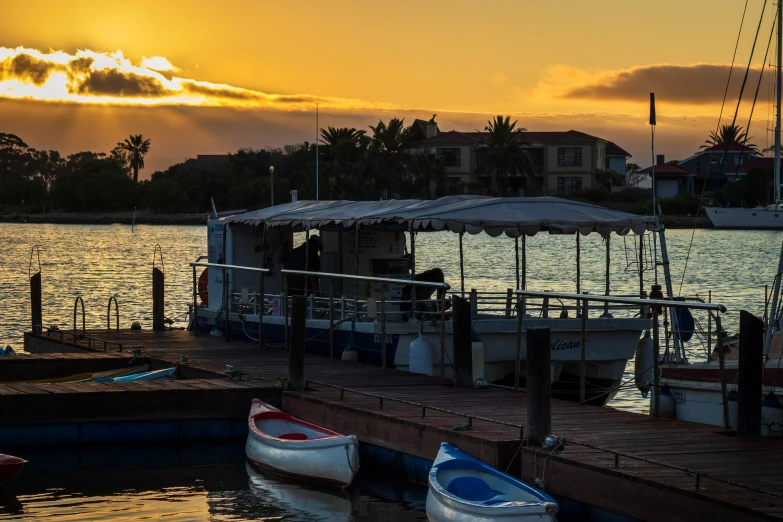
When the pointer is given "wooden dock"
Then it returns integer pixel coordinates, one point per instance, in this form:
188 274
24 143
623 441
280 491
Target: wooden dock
620 462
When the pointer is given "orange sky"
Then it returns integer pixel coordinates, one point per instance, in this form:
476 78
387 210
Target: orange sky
247 73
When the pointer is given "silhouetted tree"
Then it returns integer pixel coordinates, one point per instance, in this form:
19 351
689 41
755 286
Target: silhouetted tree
730 133
503 157
135 148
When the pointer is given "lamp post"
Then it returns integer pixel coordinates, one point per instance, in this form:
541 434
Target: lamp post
272 176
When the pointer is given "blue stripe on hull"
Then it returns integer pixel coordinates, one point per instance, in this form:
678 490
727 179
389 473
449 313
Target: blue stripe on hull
316 340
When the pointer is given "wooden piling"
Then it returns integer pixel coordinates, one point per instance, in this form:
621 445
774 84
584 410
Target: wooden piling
539 386
296 354
463 347
158 315
749 375
35 302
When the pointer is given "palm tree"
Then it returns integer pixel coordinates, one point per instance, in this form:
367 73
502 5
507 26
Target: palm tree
428 170
389 154
345 149
504 155
728 134
135 147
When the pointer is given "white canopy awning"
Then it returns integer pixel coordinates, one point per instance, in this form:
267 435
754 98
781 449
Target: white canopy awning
472 214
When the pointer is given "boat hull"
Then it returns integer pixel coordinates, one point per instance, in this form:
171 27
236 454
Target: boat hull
455 477
611 342
10 466
745 218
329 458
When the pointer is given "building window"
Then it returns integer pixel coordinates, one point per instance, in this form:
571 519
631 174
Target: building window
450 157
569 156
566 186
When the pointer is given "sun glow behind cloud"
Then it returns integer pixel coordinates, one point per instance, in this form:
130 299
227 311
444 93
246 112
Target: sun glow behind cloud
110 78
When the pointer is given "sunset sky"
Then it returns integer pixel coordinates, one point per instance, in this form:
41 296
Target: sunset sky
210 77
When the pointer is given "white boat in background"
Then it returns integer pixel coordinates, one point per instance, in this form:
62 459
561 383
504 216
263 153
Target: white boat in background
758 218
282 444
464 489
761 218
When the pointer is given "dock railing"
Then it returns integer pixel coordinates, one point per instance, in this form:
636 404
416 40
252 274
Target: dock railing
226 293
655 307
384 282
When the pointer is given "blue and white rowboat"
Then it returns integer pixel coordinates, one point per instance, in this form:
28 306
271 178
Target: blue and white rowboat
465 489
146 376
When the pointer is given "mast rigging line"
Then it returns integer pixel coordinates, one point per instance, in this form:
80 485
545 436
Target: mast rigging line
733 123
733 58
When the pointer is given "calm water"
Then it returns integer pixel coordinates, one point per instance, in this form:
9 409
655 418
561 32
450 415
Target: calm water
189 483
99 261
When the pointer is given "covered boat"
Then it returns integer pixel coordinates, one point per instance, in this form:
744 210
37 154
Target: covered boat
10 466
367 263
282 444
464 489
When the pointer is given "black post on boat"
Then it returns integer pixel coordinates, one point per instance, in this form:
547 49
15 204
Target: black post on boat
296 351
463 346
539 386
158 286
35 291
749 375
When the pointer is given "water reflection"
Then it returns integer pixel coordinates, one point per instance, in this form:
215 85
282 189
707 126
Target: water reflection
188 483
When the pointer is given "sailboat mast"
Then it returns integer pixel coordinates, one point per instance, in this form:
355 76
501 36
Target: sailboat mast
778 93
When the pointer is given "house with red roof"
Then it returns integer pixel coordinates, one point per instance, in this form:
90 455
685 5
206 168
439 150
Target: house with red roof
565 162
671 180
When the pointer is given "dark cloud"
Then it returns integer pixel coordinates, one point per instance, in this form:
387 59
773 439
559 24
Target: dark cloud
219 92
111 82
80 66
691 84
27 69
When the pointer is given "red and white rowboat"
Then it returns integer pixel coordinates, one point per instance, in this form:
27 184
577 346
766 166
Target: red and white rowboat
281 443
10 466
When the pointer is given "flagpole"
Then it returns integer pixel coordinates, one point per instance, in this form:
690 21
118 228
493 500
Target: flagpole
316 152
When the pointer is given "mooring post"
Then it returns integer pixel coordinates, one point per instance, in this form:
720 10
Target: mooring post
749 375
35 302
473 303
509 294
157 299
583 354
35 291
539 385
463 347
520 318
296 381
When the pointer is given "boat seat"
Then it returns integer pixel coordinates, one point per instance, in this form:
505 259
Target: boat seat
471 488
293 436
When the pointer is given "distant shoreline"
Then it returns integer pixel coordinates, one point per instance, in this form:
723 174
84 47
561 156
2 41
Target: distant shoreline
145 218
105 218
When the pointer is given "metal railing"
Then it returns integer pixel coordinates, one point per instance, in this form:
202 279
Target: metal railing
654 305
383 289
226 293
423 407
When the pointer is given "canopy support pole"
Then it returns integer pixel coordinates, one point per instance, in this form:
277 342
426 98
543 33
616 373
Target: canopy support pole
307 258
606 292
516 255
461 265
641 270
524 262
578 271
